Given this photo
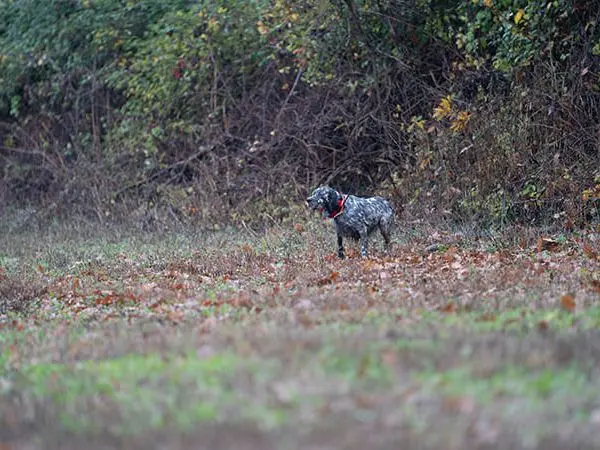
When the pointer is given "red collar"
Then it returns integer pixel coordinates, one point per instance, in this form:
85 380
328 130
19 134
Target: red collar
340 207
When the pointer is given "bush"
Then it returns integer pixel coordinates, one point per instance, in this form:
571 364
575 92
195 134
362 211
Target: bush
477 110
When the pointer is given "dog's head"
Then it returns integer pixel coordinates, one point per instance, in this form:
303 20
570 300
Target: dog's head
324 199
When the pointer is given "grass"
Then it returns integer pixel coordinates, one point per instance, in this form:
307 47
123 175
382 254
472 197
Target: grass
113 338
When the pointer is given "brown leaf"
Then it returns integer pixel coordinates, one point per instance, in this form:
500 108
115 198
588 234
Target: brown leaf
305 320
175 317
464 405
569 225
363 401
331 278
372 265
389 358
568 302
247 249
108 299
18 325
595 286
511 321
352 253
487 317
449 308
547 244
589 252
450 254
299 228
542 325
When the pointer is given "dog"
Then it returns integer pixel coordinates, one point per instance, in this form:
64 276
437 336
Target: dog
354 217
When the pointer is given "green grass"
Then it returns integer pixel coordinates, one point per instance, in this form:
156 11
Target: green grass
133 337
144 392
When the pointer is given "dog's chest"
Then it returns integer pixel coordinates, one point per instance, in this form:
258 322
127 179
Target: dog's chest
348 229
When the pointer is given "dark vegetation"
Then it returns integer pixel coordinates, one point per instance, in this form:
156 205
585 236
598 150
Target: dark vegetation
484 111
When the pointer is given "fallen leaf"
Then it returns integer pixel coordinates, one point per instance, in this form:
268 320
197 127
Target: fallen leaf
449 308
450 254
331 278
519 16
487 317
352 253
389 358
365 402
568 302
547 244
304 320
464 405
589 252
18 325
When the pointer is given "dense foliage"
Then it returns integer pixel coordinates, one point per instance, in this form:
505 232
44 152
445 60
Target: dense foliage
481 109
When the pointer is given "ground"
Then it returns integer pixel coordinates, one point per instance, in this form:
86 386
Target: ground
114 338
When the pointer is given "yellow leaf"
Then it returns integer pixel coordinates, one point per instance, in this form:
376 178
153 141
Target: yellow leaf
461 121
425 161
519 15
443 109
488 3
419 122
262 29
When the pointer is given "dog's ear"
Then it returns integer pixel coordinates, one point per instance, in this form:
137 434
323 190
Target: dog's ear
333 198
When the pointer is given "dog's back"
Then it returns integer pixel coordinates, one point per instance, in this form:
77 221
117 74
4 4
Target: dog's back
371 212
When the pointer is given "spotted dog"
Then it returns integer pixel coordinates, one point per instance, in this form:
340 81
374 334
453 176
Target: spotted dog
354 217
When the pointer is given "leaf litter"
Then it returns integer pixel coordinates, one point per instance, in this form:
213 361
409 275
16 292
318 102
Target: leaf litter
343 345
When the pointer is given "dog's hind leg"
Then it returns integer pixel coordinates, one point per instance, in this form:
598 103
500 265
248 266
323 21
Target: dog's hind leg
385 226
340 247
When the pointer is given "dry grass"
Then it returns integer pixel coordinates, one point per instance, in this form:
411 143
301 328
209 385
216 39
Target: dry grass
266 340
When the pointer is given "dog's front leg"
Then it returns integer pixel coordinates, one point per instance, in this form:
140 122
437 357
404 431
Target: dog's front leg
340 247
363 244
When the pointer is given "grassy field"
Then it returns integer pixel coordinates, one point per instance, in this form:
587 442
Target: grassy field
246 340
